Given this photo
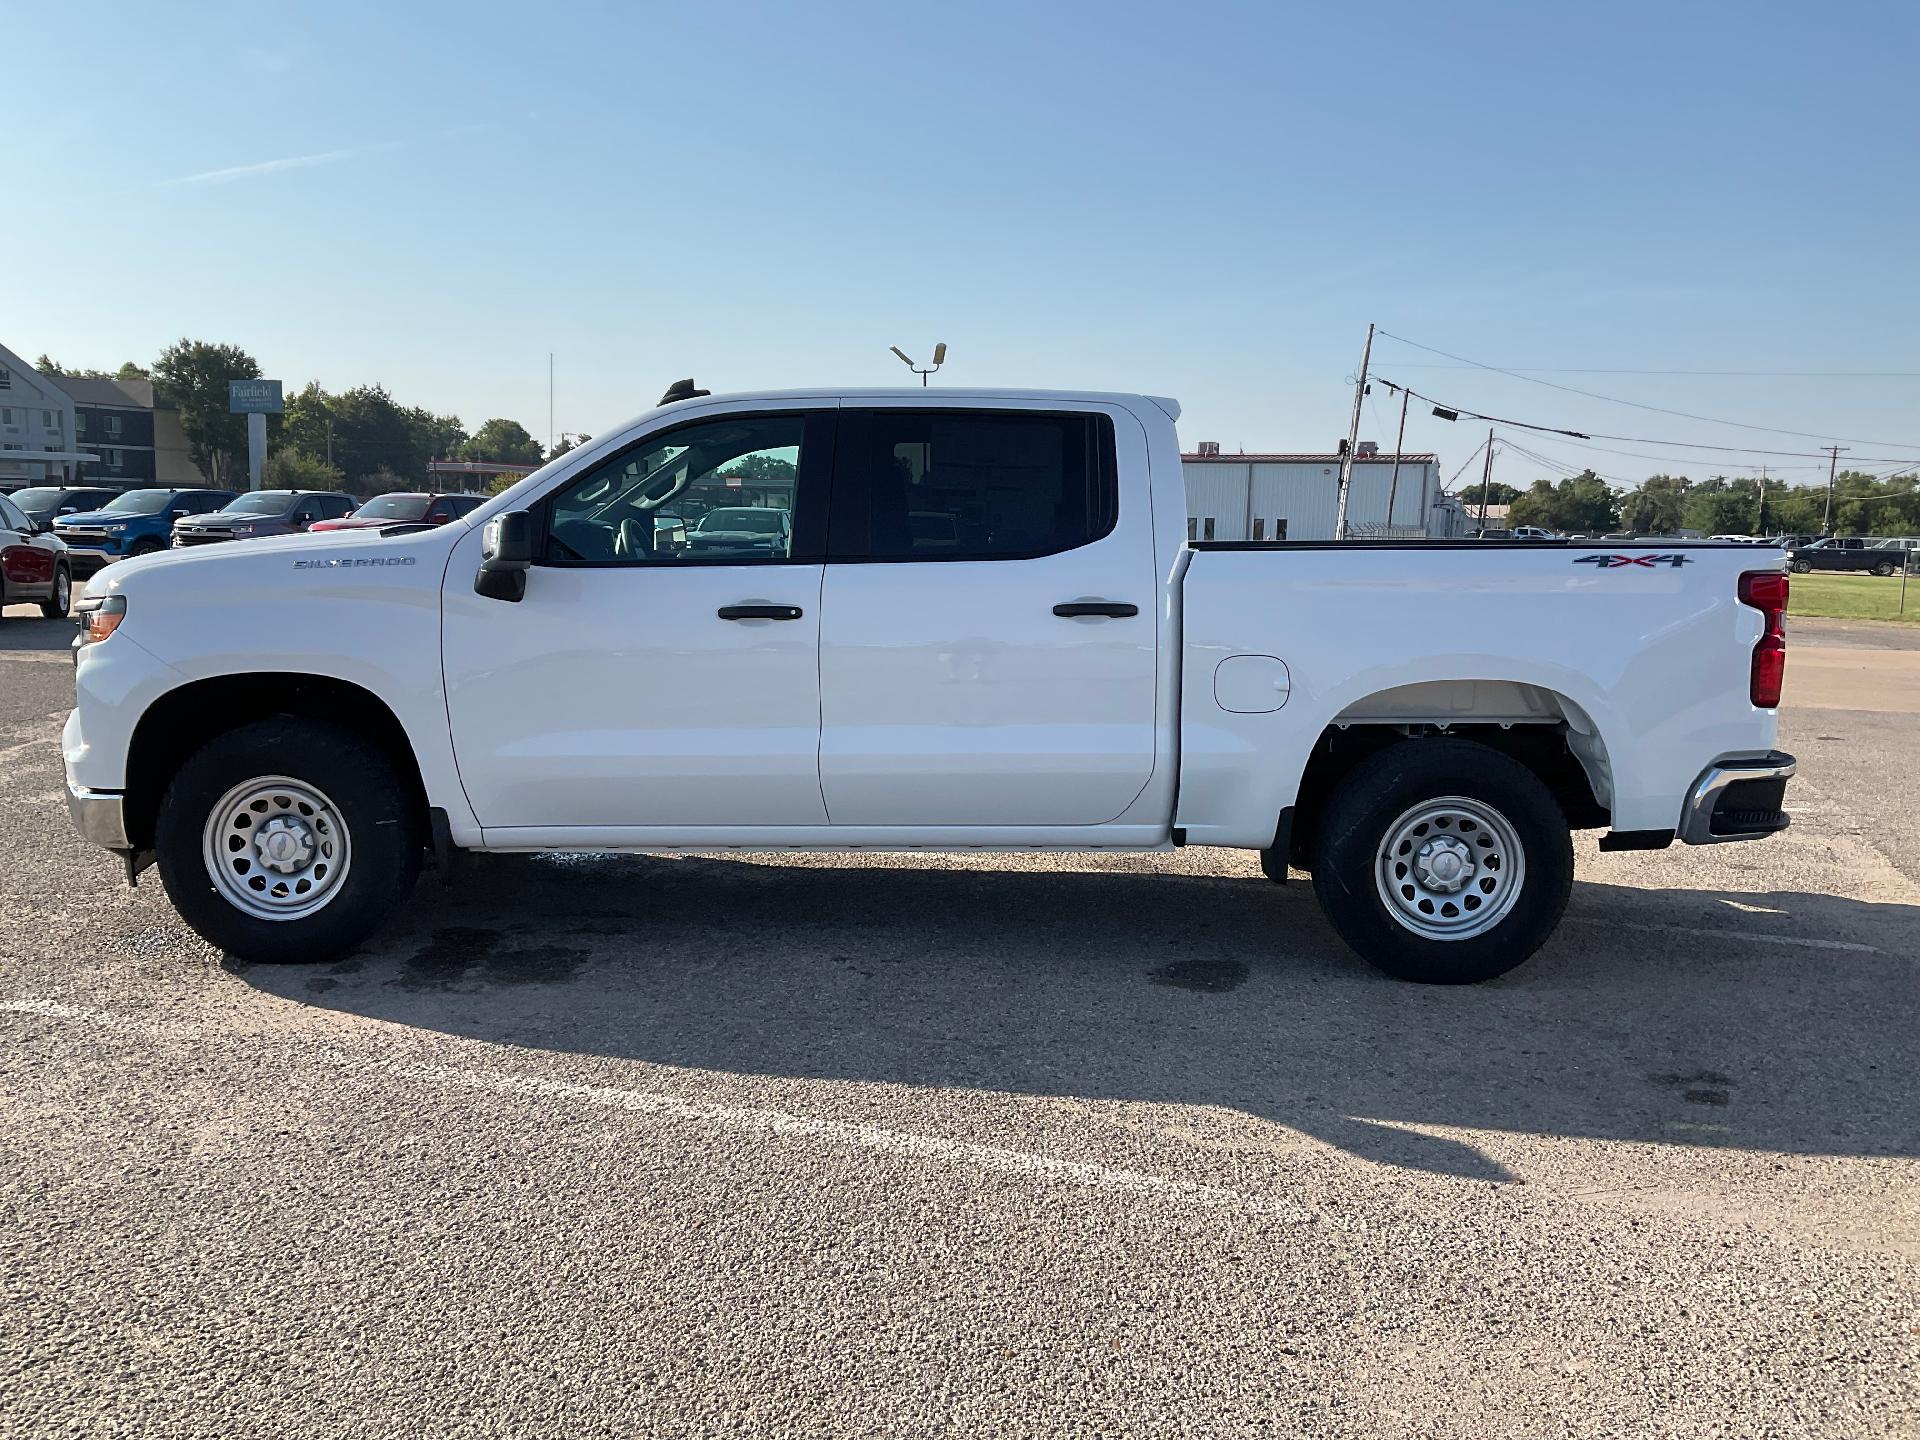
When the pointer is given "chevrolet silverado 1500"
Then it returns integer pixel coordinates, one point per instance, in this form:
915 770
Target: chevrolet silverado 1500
979 626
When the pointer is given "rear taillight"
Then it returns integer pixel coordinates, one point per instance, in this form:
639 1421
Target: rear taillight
1766 591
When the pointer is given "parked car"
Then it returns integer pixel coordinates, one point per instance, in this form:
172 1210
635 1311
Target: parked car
287 729
1534 532
742 530
405 508
1494 534
34 566
1866 554
261 514
47 503
138 522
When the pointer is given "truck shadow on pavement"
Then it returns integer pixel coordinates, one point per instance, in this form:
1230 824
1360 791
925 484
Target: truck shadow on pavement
1660 1022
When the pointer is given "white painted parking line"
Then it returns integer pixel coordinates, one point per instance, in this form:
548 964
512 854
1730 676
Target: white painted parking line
1757 937
739 1119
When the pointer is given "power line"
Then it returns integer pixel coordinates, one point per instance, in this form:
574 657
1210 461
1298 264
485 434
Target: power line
1455 411
1637 405
1741 374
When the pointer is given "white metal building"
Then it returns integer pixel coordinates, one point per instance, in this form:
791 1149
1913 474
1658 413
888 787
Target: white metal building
36 427
1297 496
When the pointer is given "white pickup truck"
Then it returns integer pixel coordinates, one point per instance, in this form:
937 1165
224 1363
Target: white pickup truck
971 620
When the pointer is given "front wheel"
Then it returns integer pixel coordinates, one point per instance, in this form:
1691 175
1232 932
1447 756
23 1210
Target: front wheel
287 840
56 605
1443 861
148 546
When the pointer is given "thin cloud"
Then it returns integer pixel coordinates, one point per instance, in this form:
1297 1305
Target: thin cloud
230 173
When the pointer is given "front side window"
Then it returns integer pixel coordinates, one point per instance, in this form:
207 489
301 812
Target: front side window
717 491
957 485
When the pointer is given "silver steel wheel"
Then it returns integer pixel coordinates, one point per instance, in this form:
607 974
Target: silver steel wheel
62 590
1450 868
276 848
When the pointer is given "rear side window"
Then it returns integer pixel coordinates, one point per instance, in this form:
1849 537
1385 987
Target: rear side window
970 485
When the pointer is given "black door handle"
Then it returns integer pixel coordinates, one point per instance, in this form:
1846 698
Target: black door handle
1112 610
759 612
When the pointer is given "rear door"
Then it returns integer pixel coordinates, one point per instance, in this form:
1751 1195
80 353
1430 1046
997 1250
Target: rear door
988 636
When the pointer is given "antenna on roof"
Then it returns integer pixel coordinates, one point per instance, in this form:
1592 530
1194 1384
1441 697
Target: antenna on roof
682 390
939 359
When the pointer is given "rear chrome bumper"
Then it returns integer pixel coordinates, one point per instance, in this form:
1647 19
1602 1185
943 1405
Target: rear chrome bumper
1738 798
99 816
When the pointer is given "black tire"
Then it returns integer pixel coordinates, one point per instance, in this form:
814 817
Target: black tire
374 808
57 605
1360 818
1800 567
1883 569
149 546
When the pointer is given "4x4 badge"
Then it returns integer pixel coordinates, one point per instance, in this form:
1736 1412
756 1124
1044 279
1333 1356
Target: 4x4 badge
1615 562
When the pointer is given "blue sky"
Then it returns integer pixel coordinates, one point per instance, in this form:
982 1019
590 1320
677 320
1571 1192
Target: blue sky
1203 200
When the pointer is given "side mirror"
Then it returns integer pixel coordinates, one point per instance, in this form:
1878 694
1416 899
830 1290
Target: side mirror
506 553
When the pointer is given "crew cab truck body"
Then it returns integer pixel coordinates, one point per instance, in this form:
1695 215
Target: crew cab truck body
986 631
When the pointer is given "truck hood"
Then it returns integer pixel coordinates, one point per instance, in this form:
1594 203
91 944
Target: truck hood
286 566
99 517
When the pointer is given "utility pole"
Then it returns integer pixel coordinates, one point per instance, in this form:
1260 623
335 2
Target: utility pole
549 402
1353 439
329 442
1760 520
1833 464
1486 481
1399 439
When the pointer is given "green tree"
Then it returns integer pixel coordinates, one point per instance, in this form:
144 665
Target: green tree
372 434
192 375
306 424
1581 504
1658 507
1498 493
505 440
53 369
294 470
1721 505
435 437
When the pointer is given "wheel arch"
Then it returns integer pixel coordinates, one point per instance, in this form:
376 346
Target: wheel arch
187 717
1542 728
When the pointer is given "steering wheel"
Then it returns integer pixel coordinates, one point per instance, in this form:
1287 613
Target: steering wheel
634 539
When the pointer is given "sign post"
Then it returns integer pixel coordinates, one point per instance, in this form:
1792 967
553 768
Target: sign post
255 399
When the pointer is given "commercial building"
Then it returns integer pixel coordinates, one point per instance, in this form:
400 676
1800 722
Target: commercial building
36 427
1296 496
136 436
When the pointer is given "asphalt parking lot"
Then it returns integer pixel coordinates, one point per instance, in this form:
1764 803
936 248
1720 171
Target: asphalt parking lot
905 1146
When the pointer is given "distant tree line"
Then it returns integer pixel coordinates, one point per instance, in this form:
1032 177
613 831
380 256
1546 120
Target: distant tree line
1585 504
361 440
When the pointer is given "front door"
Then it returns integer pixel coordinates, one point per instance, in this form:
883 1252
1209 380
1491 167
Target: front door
988 642
662 669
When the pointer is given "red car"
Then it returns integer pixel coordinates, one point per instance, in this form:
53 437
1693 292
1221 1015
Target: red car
402 508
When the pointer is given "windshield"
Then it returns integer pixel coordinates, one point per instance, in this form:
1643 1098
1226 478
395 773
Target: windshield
394 507
756 522
266 502
140 502
38 502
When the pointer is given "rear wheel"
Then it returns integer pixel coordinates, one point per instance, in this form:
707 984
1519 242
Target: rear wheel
1443 861
287 840
1883 568
1800 567
56 605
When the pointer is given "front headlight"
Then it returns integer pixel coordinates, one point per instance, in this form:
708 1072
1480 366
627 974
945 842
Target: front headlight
114 529
99 616
241 532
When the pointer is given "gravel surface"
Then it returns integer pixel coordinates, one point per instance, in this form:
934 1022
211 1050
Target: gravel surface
908 1146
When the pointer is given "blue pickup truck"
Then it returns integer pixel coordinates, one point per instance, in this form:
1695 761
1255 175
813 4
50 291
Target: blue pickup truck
136 523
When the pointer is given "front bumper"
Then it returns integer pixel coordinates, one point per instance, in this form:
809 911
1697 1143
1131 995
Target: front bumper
86 560
99 816
1738 798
